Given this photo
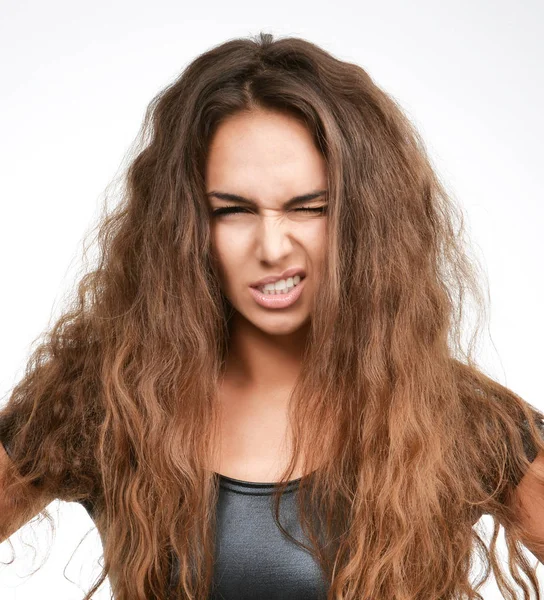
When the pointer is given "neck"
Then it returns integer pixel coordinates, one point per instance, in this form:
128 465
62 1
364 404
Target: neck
260 361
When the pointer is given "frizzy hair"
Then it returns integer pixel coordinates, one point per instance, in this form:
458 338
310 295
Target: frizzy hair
406 440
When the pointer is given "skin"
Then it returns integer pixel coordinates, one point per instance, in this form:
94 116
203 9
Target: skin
268 157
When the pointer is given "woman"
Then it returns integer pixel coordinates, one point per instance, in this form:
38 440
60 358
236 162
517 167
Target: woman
179 398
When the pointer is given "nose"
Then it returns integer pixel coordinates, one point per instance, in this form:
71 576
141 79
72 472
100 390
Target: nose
273 239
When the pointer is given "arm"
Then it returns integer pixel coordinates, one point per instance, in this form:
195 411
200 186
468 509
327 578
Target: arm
13 514
529 496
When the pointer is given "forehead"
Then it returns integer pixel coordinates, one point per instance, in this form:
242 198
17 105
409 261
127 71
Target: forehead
264 154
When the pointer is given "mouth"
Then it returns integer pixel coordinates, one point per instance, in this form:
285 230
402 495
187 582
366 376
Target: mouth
280 299
282 291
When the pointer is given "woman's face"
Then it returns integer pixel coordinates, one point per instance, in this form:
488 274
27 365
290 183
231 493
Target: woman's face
267 158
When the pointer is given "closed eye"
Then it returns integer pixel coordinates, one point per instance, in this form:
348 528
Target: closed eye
225 210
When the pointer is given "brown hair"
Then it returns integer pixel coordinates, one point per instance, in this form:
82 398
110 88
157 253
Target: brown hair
413 440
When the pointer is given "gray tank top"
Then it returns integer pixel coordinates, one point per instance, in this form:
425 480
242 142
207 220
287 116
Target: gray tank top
253 558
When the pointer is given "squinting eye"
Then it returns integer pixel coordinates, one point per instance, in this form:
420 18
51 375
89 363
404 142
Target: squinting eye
321 209
225 210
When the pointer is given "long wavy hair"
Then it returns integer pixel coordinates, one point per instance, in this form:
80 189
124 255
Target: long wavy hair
406 441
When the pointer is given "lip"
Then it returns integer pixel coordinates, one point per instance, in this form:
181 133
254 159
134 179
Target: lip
278 300
273 278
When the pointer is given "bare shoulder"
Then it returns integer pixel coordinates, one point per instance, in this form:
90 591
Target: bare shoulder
532 481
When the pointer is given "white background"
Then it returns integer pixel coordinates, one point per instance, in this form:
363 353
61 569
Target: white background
76 79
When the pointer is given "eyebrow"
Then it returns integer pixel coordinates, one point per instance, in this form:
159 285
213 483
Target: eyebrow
250 202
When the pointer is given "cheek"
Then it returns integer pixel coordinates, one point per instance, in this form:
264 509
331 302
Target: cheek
317 240
228 254
220 244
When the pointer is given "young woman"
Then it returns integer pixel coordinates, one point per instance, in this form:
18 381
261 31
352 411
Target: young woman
261 391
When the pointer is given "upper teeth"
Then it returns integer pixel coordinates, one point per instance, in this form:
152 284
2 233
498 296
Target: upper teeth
282 284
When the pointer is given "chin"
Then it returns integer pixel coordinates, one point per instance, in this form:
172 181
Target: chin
279 325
